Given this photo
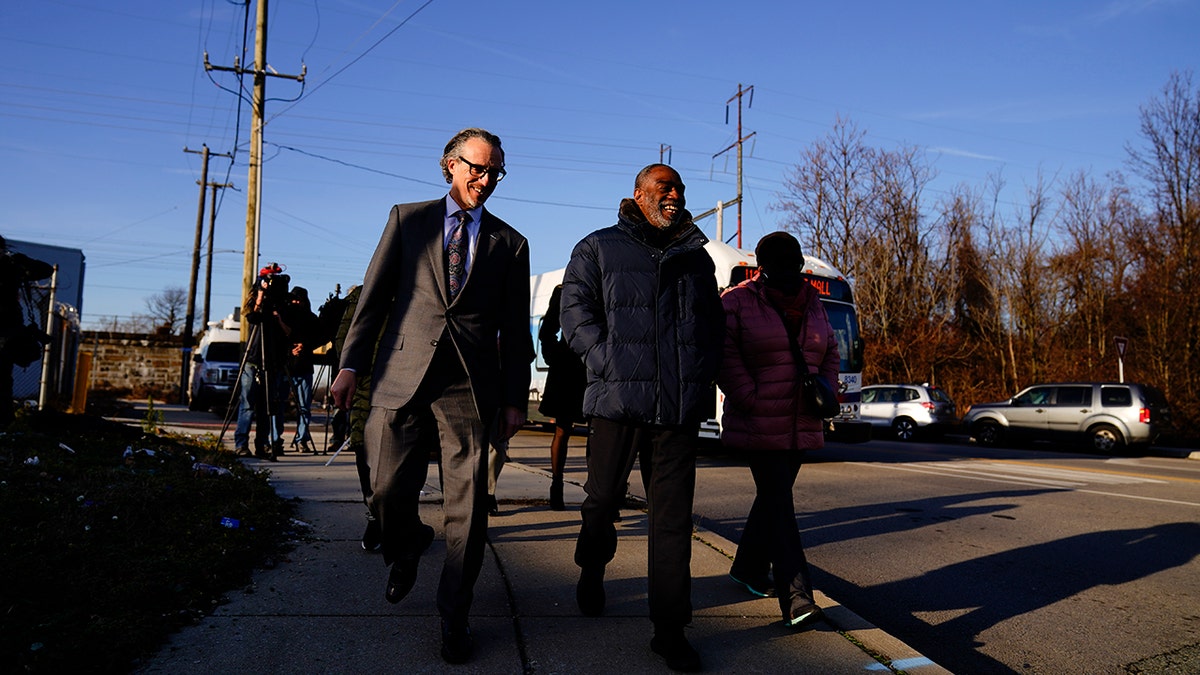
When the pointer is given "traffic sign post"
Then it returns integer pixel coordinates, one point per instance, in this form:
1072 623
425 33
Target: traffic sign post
1121 343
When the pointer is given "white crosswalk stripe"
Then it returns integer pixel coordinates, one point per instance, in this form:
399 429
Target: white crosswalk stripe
1021 473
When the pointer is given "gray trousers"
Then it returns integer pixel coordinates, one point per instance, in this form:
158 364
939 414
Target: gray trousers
399 466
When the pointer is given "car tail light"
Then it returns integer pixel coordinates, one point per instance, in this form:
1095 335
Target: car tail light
1144 416
928 405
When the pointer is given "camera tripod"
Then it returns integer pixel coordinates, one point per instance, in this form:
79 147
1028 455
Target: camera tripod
264 376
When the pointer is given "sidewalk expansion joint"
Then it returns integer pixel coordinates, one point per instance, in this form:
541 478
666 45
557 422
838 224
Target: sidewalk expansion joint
510 594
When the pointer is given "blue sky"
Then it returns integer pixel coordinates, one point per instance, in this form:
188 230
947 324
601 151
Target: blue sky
99 99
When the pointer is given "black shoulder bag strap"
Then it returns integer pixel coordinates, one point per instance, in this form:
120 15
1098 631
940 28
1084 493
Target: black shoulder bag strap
793 340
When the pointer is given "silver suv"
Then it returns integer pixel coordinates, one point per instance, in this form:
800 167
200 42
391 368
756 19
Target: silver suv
905 409
1110 416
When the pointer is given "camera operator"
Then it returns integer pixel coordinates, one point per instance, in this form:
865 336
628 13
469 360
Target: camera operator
264 382
304 335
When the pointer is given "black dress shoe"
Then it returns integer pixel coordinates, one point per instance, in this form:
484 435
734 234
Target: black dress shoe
589 592
675 650
404 571
456 641
493 506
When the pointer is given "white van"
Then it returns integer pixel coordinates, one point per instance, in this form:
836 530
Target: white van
215 364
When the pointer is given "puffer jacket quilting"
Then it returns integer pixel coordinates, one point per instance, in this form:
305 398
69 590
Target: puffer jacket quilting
649 328
758 376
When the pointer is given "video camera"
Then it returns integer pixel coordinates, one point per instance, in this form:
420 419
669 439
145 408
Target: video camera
272 283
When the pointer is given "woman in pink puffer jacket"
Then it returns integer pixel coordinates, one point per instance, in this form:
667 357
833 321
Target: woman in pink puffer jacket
766 420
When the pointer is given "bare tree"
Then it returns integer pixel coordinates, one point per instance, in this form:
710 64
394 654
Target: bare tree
1170 162
166 309
1032 292
968 304
990 283
972 301
896 278
1168 295
989 302
827 196
1092 264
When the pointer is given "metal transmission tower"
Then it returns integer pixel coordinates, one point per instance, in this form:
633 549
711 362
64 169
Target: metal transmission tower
257 111
738 144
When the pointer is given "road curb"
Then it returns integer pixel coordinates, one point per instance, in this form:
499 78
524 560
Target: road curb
874 642
896 655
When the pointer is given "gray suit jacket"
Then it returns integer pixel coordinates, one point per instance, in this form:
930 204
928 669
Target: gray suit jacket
404 295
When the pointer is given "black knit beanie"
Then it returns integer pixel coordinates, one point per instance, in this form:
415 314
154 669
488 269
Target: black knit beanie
779 257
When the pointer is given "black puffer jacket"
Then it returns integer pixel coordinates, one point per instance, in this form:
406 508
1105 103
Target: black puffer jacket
640 306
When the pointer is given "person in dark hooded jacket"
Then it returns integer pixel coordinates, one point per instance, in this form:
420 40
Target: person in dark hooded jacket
304 335
640 307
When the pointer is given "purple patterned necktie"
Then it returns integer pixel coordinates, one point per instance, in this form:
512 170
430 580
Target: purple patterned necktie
456 254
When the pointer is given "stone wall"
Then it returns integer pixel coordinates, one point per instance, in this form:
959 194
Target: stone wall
138 364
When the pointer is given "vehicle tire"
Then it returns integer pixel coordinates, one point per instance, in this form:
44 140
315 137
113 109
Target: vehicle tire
904 429
1106 439
988 433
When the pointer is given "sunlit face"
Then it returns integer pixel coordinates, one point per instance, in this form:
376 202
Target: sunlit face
468 190
660 196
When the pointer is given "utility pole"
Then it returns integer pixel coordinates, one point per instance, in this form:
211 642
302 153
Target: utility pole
664 150
51 310
212 222
738 143
190 317
258 117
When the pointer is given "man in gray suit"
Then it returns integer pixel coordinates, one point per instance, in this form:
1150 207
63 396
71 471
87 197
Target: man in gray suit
447 298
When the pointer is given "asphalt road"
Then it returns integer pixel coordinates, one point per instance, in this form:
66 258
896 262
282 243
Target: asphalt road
997 561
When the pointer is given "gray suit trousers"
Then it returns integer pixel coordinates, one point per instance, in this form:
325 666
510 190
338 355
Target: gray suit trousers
398 444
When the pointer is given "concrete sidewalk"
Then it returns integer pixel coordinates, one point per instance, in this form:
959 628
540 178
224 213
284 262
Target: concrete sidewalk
322 609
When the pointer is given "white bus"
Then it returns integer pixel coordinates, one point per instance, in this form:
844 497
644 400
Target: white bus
733 266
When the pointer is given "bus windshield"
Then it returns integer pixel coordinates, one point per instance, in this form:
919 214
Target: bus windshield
845 330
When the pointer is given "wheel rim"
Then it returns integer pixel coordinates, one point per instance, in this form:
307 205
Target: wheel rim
988 434
904 430
1104 440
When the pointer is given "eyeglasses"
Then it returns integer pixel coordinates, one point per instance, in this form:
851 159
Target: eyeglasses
477 170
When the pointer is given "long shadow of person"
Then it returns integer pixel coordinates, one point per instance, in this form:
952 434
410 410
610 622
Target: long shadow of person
982 592
866 521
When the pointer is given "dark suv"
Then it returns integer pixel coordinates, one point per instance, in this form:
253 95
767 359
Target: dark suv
1110 416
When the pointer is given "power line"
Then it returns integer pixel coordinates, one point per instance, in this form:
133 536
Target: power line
357 58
